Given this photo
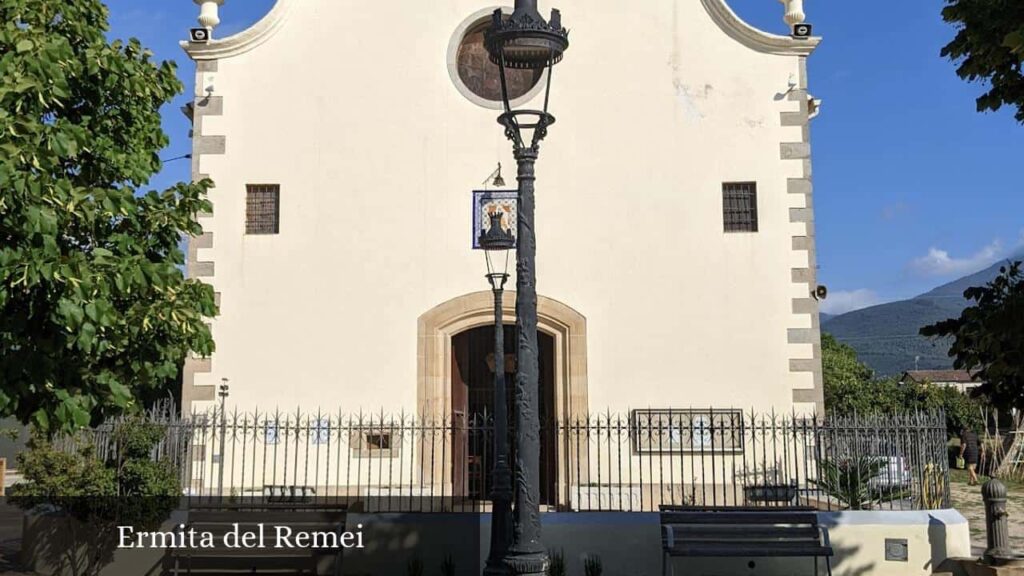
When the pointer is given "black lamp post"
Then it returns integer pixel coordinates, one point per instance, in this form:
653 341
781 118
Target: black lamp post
525 40
222 392
498 240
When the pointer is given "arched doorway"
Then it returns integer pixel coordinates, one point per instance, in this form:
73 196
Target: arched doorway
472 401
565 331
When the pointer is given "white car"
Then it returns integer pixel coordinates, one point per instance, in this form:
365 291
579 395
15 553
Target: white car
894 474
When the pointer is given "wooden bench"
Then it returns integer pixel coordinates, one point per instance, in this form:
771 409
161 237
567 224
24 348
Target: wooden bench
742 532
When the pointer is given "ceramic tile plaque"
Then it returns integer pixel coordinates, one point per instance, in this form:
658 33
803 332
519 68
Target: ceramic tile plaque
487 202
665 431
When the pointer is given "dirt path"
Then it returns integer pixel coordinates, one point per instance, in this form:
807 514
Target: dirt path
967 499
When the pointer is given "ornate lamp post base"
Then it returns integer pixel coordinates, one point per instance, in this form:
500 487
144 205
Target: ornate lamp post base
534 564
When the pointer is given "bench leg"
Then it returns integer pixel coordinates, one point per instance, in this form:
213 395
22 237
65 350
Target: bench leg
828 565
666 564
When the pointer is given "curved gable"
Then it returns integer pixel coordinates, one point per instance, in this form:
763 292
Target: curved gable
245 40
753 38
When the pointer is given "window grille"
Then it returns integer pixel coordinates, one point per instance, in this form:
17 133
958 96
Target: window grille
263 209
739 203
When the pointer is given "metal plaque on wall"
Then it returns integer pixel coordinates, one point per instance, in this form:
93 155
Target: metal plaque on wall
486 202
686 430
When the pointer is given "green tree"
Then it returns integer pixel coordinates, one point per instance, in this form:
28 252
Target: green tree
988 337
850 387
989 46
95 313
961 409
843 375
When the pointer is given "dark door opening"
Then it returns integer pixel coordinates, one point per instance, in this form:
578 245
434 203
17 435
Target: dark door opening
472 396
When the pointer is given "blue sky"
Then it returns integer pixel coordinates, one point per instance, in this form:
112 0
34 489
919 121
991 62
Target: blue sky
912 186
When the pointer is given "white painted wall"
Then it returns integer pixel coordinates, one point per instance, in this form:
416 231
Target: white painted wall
351 109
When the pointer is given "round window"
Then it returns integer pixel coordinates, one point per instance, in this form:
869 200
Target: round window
481 76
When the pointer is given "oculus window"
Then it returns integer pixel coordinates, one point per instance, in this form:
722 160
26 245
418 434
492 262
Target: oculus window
480 76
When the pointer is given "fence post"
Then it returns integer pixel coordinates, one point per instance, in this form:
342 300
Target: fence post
996 525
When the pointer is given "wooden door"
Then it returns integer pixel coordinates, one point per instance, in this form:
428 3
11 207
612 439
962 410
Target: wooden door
472 394
460 408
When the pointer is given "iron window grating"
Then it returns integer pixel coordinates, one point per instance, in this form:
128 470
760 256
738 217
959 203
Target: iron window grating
263 209
739 204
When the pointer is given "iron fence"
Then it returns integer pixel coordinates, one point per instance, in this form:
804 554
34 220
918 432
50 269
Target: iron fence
632 461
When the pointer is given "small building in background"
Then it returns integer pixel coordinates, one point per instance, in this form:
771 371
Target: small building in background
962 380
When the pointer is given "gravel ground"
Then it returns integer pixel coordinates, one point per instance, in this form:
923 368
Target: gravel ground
967 499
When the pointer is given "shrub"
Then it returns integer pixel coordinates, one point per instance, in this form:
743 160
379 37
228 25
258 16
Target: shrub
556 565
850 481
93 496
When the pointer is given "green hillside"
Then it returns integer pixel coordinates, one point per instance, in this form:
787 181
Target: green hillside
886 336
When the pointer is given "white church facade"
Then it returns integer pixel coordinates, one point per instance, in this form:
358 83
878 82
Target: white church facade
675 224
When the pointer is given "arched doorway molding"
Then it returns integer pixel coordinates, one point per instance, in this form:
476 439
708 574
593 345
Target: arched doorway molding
434 349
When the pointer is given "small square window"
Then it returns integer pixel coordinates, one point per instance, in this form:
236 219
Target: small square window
372 444
263 209
739 204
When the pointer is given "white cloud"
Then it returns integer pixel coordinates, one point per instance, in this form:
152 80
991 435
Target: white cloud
843 301
939 263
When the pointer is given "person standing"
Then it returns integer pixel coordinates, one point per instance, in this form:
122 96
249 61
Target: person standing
969 452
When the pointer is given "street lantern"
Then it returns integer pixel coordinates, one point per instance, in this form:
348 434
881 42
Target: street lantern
496 242
525 41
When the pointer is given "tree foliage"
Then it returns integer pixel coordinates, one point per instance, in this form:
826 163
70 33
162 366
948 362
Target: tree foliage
988 337
851 387
989 46
95 313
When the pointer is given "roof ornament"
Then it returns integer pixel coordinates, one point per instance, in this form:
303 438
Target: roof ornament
208 17
794 12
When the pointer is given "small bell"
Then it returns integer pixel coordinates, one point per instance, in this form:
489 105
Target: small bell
499 182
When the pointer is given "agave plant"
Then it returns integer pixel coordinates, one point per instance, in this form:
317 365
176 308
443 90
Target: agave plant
592 565
448 566
414 567
854 482
556 565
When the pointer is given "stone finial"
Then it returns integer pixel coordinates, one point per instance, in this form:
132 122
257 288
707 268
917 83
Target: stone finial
794 11
208 17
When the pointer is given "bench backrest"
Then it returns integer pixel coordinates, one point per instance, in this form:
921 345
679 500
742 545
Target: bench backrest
741 518
757 532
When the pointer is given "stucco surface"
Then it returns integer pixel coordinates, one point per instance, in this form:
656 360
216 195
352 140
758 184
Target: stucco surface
354 114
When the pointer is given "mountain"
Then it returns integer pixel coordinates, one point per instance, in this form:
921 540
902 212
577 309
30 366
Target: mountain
886 336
